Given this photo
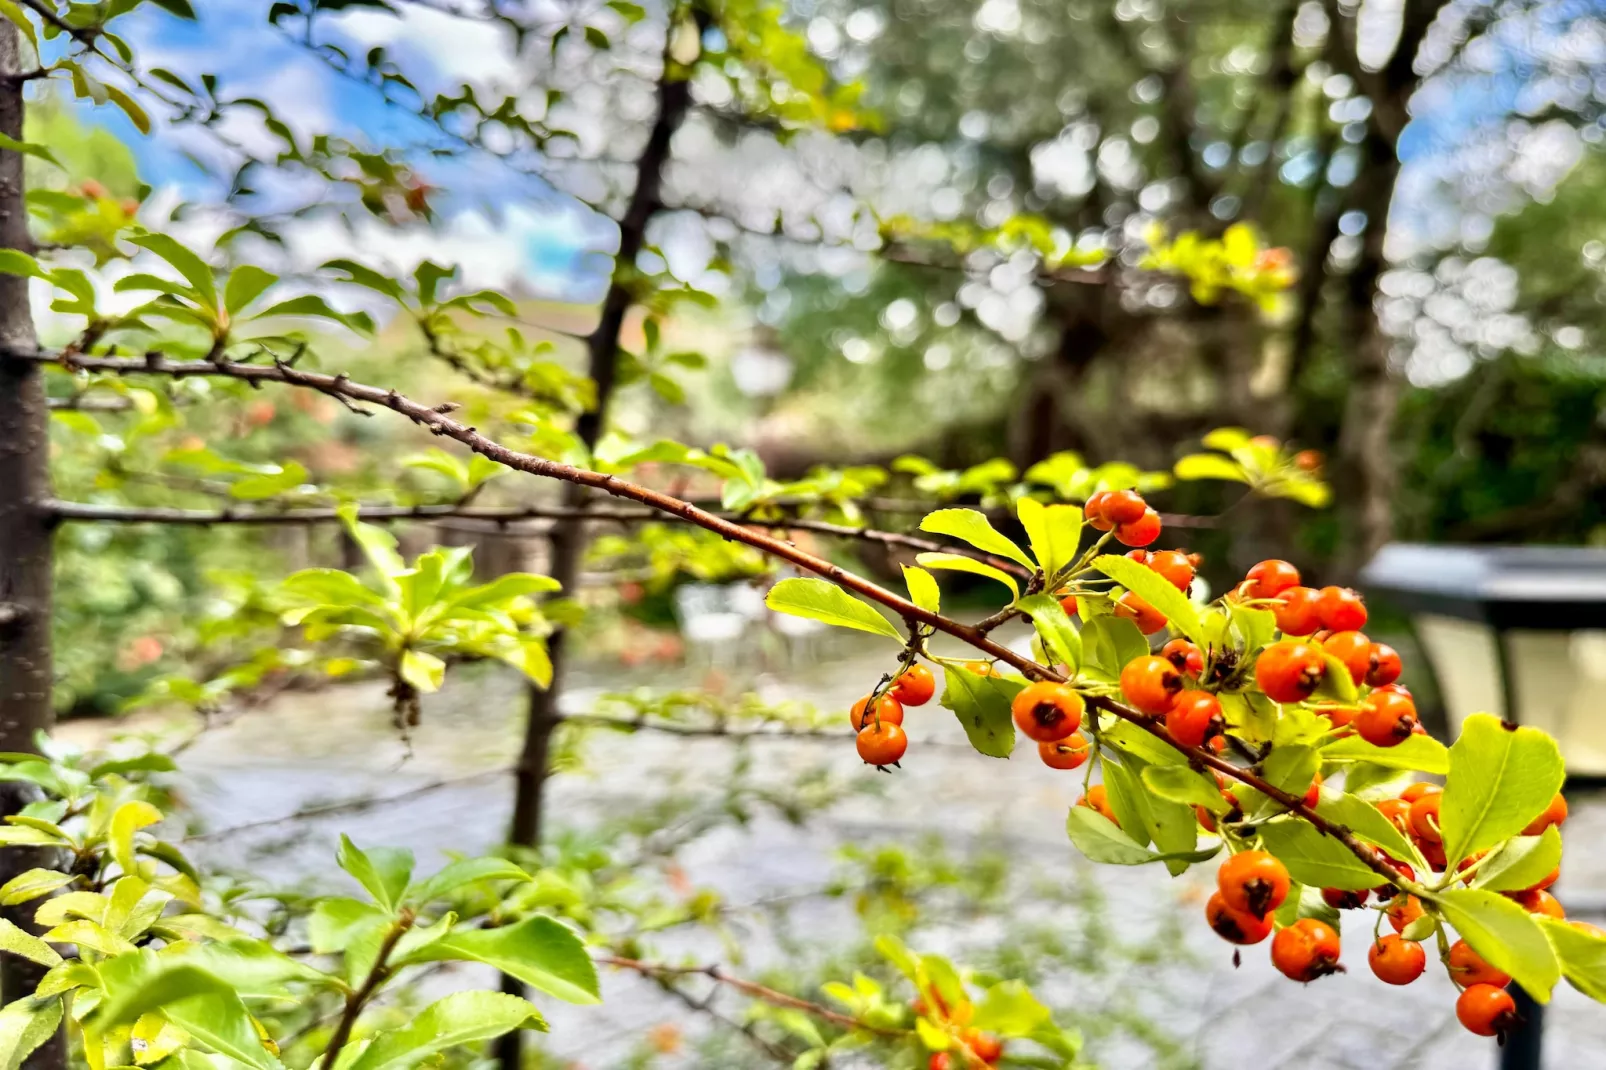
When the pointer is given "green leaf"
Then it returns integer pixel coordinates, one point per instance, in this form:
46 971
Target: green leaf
269 484
1181 784
196 1001
31 885
467 871
130 107
1010 1010
961 563
1292 768
25 1024
1501 778
824 601
197 272
1424 754
1314 858
384 871
1169 824
1251 715
1209 466
1521 863
88 934
29 946
311 305
1507 936
423 670
1336 684
246 283
128 819
968 525
1154 589
1108 643
923 590
1366 822
982 705
461 1018
335 922
1582 955
1054 531
30 149
543 953
1097 837
1061 642
1255 626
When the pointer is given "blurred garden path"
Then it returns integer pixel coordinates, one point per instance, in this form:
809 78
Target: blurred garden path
304 750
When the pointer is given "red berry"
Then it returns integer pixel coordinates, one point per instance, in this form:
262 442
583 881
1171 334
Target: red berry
1403 911
1150 683
1093 511
1467 968
1487 1011
1343 899
1538 901
1187 657
1068 753
1396 960
1296 611
1313 794
887 710
1387 718
1254 882
1236 926
1148 619
1354 649
1140 532
1386 666
1305 950
1174 566
1068 604
1415 791
1271 577
939 1061
1555 814
1398 811
1308 460
1341 609
1047 711
1289 671
882 745
914 687
1124 507
987 1047
1194 717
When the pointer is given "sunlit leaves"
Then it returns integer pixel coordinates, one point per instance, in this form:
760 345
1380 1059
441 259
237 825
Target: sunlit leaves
982 705
1505 934
824 601
1501 778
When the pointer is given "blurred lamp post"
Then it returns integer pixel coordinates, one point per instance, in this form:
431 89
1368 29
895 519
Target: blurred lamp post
1519 631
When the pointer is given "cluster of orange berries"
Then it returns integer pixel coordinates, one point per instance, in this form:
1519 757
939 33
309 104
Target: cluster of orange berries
878 719
1125 513
987 1047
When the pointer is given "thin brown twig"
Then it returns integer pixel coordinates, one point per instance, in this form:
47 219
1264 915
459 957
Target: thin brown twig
343 387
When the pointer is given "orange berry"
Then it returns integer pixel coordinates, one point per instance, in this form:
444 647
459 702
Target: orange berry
1341 609
1236 926
1148 619
1150 683
1194 717
1386 666
1416 790
1093 511
1354 649
1254 882
1487 1011
1186 656
1174 566
1124 507
1068 604
1403 911
914 687
1425 817
1396 960
1068 753
1098 799
1387 718
1047 711
1555 814
1270 578
882 745
1289 671
1296 611
1344 899
1467 968
887 710
1305 950
1538 901
1140 532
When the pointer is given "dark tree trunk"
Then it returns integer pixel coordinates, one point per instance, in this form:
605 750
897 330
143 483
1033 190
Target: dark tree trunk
25 536
568 537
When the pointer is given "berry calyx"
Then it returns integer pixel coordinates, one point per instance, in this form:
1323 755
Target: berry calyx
1140 532
1387 718
1068 753
1354 649
1396 960
1235 926
914 686
1185 655
1487 1011
1254 882
1289 671
1555 814
1306 950
1174 566
1047 711
1151 684
1297 612
1098 799
1468 968
887 710
1341 609
1270 578
1386 666
1148 619
882 745
1194 717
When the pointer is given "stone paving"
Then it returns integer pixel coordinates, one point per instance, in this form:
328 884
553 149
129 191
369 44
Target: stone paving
305 750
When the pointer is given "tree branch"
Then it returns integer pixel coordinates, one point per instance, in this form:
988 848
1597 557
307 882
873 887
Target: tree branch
342 387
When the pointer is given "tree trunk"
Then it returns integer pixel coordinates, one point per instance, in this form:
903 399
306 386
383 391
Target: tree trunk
569 536
25 536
